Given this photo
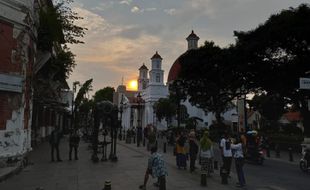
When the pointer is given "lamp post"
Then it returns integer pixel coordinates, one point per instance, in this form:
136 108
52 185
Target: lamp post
139 128
177 90
121 116
75 83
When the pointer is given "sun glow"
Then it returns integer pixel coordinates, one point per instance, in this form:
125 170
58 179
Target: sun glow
132 85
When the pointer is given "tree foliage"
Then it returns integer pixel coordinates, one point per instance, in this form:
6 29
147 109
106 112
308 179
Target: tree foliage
165 109
104 94
277 53
86 87
210 78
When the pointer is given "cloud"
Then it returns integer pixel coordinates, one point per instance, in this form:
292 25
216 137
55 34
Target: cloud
127 2
135 9
170 11
111 48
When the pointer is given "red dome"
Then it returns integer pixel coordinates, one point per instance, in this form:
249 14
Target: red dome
174 71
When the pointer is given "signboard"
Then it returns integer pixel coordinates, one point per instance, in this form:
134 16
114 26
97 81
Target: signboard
11 83
304 83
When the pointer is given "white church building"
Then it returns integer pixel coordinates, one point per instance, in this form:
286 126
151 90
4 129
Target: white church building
137 106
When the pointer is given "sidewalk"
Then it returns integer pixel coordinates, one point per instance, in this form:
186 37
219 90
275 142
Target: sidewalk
127 173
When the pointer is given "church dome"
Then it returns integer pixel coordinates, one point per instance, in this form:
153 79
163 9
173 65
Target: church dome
174 71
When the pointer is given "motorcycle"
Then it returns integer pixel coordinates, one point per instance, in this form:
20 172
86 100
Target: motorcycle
255 155
303 163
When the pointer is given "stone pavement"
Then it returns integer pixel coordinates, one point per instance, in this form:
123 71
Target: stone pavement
83 174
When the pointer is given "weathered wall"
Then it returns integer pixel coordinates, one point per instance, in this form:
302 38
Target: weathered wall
17 55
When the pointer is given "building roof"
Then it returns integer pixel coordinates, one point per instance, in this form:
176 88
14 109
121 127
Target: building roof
143 67
192 36
174 71
293 116
156 56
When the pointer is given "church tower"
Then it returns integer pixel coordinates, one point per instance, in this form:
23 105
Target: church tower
143 79
156 73
192 41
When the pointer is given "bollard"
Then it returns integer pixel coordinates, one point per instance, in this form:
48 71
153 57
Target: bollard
165 147
277 149
107 185
216 165
290 152
203 179
224 175
268 151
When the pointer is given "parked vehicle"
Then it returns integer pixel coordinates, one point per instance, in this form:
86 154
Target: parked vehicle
304 162
255 156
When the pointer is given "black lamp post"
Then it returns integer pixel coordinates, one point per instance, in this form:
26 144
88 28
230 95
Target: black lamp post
75 83
177 91
139 128
121 116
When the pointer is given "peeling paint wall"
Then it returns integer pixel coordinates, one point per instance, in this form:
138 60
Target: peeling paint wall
17 37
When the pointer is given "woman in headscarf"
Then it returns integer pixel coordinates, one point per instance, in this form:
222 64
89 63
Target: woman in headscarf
181 151
206 153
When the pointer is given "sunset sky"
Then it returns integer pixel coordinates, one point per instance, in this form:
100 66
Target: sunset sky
123 34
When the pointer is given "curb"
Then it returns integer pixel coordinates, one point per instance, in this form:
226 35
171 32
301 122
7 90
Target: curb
18 168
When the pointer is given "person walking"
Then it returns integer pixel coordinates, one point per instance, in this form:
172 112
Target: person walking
193 150
74 141
156 168
225 146
237 148
54 142
206 153
181 154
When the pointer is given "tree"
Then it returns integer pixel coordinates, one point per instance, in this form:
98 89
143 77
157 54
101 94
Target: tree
165 109
210 79
277 53
104 94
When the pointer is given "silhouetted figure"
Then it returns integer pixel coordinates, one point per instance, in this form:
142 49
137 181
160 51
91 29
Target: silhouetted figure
54 142
74 141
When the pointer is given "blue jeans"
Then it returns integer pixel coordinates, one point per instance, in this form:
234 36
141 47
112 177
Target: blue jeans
239 168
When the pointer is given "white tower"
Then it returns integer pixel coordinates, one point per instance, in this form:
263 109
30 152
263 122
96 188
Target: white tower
143 78
156 73
192 41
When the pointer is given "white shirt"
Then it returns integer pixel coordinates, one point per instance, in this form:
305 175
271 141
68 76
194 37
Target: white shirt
237 148
226 150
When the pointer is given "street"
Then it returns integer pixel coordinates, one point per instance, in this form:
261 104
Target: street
128 172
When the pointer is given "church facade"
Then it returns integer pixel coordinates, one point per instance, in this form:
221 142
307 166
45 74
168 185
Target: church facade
137 106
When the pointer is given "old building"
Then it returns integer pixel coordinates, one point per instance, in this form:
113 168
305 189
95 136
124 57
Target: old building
18 21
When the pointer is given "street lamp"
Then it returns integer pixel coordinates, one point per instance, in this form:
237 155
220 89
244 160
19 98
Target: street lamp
139 127
177 90
75 83
121 116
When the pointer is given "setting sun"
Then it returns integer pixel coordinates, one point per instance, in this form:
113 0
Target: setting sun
132 85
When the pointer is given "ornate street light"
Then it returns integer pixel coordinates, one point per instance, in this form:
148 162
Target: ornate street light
121 107
139 127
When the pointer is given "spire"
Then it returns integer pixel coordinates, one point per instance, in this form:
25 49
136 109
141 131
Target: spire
143 67
156 56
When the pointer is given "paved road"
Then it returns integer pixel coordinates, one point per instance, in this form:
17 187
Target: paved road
127 173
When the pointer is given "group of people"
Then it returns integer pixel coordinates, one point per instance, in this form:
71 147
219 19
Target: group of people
54 140
188 147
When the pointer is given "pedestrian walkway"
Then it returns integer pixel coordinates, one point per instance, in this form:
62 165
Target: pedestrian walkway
83 174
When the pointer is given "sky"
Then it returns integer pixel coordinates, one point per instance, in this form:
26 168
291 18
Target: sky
124 34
